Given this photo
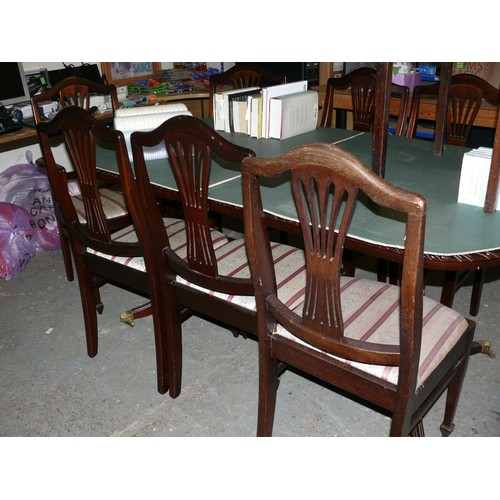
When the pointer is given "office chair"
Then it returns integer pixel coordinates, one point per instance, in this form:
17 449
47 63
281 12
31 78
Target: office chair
388 345
213 282
76 91
240 76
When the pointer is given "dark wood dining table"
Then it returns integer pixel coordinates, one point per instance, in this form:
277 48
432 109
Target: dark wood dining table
459 237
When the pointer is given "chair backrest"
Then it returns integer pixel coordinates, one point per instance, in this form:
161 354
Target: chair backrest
240 76
363 82
74 91
191 145
327 182
464 100
85 138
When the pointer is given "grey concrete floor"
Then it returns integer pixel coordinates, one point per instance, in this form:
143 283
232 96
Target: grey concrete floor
50 387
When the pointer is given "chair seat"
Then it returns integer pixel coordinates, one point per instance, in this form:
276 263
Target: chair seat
176 231
290 272
371 313
112 203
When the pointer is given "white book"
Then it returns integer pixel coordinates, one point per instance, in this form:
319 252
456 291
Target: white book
293 114
256 116
234 114
277 90
474 177
221 106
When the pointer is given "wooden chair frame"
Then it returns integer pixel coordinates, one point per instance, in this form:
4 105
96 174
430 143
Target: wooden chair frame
240 76
190 146
81 132
315 170
362 82
71 91
464 100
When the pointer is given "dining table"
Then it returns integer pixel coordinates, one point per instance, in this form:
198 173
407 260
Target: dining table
458 236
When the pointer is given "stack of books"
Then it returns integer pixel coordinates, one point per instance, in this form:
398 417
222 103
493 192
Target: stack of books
278 112
474 177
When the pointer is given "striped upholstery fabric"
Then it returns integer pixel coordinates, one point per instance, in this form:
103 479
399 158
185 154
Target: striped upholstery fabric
112 202
176 231
371 312
289 266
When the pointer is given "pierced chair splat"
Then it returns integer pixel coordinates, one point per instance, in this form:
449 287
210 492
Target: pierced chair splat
388 345
240 76
76 91
212 280
363 82
105 250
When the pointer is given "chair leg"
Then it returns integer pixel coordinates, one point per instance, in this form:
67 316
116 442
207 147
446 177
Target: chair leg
477 289
387 270
89 307
449 288
452 397
268 387
349 263
171 345
161 345
66 253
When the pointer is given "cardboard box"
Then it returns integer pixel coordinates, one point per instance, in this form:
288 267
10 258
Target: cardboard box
489 71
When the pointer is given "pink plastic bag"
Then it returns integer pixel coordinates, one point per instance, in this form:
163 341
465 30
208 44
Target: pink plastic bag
27 186
17 244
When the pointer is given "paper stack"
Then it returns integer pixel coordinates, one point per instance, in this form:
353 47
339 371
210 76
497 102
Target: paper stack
474 176
146 118
293 114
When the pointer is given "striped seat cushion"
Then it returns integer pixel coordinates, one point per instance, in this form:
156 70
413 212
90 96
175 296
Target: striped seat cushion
112 202
176 231
290 272
371 312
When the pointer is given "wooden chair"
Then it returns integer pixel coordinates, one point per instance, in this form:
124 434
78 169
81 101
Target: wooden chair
76 91
240 76
464 100
363 82
213 282
390 346
106 250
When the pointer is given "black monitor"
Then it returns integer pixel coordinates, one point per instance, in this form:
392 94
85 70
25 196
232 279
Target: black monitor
13 87
88 71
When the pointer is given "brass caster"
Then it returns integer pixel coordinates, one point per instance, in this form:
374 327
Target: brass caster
127 317
486 348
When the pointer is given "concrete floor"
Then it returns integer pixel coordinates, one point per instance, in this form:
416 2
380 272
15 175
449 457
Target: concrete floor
50 387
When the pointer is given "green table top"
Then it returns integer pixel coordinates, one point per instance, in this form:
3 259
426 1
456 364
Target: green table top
452 229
